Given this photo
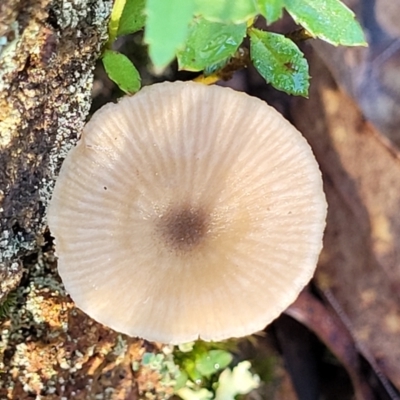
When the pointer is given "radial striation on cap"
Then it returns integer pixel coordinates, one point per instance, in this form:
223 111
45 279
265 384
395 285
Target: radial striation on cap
187 211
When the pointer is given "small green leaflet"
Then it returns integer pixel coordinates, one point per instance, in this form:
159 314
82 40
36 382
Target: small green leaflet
279 61
271 9
213 361
235 11
209 43
121 71
166 28
132 18
330 20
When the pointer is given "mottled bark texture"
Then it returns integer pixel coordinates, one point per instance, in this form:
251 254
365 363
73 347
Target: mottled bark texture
48 49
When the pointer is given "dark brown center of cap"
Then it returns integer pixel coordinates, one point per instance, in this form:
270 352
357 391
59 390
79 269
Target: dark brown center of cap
184 228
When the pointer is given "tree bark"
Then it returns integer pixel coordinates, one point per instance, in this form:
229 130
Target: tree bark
48 49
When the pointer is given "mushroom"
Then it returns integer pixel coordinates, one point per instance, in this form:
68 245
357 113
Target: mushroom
187 211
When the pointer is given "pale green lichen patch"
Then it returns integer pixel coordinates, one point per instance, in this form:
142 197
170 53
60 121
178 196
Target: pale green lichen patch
158 374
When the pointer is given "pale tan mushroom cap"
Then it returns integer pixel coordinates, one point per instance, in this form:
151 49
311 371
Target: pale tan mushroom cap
187 211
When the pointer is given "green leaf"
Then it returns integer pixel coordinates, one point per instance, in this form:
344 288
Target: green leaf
280 62
189 367
115 17
166 28
271 9
226 10
213 361
329 20
121 71
209 43
132 18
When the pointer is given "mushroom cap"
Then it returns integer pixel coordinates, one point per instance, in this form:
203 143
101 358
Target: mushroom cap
187 211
